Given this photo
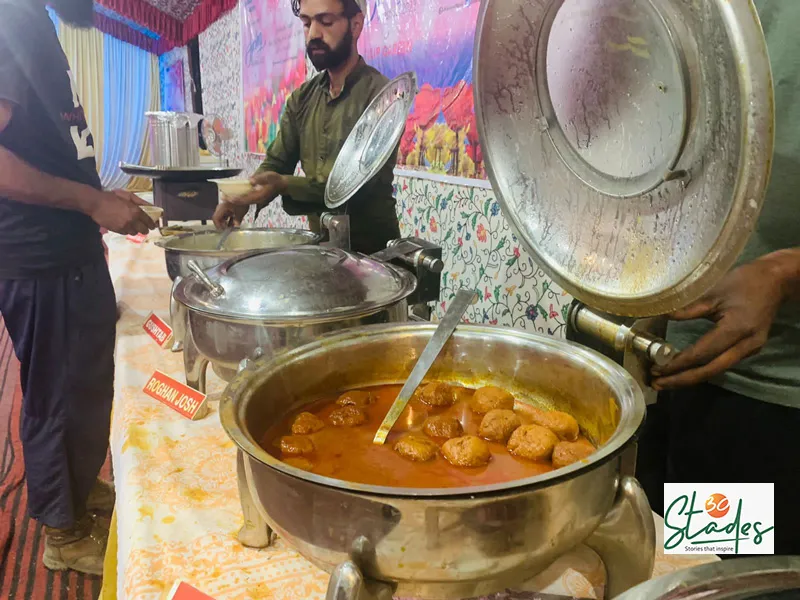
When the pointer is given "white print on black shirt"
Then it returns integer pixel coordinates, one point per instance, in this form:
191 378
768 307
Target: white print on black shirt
80 137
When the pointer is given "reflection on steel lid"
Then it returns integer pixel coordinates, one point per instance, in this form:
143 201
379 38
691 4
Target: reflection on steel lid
762 578
303 283
628 142
372 141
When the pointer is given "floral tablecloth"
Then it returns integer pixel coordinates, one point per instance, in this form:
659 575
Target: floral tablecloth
178 512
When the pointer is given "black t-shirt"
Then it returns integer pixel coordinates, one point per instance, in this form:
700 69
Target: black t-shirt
48 130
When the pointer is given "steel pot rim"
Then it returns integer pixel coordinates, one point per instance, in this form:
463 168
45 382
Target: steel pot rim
167 241
631 416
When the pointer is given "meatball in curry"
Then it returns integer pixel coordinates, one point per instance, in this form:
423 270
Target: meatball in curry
566 453
491 398
296 445
442 426
360 398
467 451
348 416
306 423
438 394
499 424
562 424
416 447
533 442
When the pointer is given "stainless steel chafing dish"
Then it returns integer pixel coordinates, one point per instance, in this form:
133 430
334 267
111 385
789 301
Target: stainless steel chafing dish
628 143
200 248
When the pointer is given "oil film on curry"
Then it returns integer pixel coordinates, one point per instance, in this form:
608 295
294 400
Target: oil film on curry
433 38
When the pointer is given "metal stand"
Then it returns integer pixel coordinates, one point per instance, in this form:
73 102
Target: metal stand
177 318
626 539
194 364
194 201
255 533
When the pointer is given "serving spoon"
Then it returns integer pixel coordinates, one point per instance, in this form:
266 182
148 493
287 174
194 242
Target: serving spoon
446 327
225 234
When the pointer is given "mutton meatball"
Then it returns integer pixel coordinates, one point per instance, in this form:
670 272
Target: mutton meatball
562 424
416 447
358 398
533 442
306 423
296 445
498 425
566 453
467 451
348 416
442 426
437 394
491 398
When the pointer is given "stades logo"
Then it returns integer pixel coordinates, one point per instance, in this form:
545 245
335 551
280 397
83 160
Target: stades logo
735 518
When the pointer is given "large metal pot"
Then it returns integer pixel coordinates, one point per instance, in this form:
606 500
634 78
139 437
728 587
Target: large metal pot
762 578
261 303
201 248
447 543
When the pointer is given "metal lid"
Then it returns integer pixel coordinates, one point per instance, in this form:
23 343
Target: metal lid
762 578
372 141
302 283
629 143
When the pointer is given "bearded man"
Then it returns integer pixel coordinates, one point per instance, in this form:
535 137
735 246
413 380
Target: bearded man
317 120
56 295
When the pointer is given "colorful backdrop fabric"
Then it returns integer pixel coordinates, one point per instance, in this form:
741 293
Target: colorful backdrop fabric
273 65
433 38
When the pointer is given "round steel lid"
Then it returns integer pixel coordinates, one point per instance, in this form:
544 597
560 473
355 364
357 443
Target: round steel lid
302 283
372 141
628 141
762 578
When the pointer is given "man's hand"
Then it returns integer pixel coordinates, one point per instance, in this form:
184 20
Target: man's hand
742 306
228 212
266 187
120 211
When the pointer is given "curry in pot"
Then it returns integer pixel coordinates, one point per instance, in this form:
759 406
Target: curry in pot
448 436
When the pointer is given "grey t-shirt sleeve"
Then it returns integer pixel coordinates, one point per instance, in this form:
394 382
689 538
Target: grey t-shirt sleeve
15 36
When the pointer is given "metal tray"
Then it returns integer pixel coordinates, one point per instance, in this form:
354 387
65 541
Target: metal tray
180 174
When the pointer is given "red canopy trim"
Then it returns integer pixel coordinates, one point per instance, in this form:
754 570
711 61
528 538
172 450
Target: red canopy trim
129 35
172 31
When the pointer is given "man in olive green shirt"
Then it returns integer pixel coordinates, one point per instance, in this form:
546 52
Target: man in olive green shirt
317 120
732 412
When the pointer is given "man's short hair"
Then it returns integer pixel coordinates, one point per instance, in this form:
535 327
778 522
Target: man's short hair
351 8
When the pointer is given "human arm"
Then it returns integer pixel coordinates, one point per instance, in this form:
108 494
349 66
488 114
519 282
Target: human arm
743 307
19 181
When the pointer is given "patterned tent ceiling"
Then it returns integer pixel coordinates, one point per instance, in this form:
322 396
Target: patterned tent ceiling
158 25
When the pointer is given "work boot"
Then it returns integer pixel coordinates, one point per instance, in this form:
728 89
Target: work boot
80 548
102 497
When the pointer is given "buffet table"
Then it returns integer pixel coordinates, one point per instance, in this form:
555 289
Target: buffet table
178 512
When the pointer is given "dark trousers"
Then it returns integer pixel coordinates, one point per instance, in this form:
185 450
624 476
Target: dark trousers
709 435
63 329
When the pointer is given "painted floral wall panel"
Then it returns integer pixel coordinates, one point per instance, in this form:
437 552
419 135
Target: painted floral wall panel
479 247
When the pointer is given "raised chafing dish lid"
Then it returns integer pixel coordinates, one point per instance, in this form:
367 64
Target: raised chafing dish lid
372 141
762 578
301 283
628 141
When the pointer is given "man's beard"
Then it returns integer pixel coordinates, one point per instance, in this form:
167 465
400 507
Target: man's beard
79 13
330 58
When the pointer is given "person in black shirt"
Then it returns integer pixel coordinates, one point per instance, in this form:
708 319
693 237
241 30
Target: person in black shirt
56 295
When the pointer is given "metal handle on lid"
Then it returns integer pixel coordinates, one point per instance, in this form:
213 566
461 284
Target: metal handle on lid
215 289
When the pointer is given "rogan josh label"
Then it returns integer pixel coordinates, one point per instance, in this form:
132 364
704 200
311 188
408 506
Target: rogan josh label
179 397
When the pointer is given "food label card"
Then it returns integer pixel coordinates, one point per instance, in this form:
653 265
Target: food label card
179 397
158 330
183 591
139 238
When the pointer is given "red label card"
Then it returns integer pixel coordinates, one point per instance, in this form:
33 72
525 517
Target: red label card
183 591
179 397
158 330
139 238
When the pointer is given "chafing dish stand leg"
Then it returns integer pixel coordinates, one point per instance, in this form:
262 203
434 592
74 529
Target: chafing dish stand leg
177 318
194 364
255 533
348 583
626 540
